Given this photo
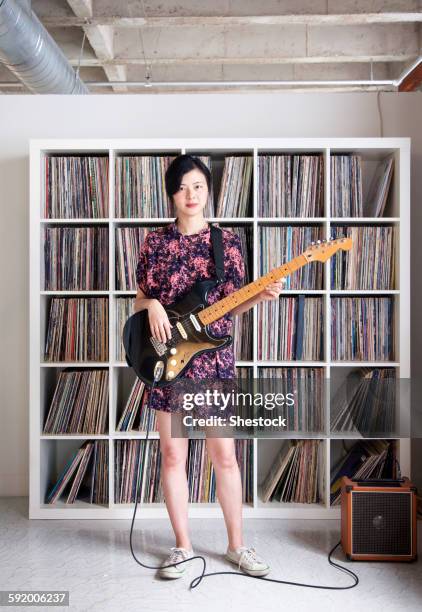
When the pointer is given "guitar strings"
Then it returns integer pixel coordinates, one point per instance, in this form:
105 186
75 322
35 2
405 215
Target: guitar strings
175 333
187 325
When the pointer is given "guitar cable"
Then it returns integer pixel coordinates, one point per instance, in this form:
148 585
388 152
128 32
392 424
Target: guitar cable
158 372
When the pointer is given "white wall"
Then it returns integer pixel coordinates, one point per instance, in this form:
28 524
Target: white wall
266 114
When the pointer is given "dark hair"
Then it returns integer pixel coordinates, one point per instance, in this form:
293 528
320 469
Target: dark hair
179 167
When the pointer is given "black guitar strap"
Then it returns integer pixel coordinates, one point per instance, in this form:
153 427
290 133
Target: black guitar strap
218 252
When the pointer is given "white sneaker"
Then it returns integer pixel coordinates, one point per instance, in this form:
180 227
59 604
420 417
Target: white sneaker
177 554
248 560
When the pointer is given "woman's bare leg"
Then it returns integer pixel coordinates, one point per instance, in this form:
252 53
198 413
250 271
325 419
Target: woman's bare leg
229 486
174 479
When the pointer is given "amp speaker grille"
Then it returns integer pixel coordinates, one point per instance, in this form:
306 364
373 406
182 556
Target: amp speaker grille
381 523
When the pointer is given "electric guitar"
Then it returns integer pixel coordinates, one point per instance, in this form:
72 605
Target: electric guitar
190 317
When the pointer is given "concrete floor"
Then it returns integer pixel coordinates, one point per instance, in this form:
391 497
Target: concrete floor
92 560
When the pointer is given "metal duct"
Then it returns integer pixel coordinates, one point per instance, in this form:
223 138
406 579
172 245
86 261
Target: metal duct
28 50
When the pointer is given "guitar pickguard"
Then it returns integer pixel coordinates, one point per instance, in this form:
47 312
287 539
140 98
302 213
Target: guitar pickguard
195 339
186 352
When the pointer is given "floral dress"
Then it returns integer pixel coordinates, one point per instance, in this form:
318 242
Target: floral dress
169 265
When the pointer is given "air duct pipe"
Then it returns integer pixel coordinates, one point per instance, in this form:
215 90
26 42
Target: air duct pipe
31 54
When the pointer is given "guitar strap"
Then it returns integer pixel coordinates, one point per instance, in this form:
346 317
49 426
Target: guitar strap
218 252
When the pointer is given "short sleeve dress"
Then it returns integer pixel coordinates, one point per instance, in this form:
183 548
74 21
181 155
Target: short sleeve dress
169 264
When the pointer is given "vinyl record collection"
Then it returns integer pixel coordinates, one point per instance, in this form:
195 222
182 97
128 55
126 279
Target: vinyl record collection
87 471
366 402
245 234
242 332
77 330
290 186
75 187
76 258
244 372
346 186
140 187
235 189
128 243
370 264
293 476
291 328
79 403
278 245
136 416
361 328
306 386
200 471
347 193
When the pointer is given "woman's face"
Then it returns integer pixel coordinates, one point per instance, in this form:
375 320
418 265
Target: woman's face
192 196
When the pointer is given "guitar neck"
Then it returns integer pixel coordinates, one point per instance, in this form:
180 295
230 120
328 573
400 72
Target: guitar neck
220 308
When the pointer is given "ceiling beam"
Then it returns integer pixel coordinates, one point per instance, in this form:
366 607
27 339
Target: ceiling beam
101 40
332 59
81 8
6 87
230 20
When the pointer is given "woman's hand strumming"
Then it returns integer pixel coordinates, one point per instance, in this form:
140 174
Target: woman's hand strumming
158 321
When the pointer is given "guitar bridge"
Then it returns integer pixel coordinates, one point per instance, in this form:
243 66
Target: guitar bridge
159 347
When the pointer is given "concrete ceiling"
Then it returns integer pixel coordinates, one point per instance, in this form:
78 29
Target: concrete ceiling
223 41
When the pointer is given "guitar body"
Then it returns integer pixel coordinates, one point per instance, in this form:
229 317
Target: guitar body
190 338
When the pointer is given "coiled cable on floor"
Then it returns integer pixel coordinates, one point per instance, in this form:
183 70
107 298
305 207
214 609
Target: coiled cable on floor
196 581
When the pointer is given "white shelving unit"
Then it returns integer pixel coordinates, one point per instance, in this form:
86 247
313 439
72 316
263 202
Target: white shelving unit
48 453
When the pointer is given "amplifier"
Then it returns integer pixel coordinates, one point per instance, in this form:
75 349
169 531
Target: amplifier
378 520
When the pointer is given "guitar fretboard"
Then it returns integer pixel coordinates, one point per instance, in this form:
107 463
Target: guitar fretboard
220 308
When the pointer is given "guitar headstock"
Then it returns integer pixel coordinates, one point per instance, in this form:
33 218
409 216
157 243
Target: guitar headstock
324 249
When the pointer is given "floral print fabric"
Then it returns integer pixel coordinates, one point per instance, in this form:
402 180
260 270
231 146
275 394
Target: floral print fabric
169 265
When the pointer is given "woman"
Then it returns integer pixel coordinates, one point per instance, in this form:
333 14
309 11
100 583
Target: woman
170 261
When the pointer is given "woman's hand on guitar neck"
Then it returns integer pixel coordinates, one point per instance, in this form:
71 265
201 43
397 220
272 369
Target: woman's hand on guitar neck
273 290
